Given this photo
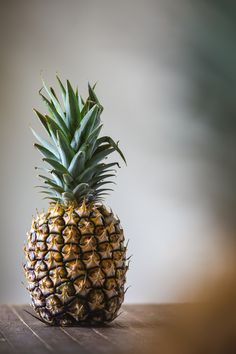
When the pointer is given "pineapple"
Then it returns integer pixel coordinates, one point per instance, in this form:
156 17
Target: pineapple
75 253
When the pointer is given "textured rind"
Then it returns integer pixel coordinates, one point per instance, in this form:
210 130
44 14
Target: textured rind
76 264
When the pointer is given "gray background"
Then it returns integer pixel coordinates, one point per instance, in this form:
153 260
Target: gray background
134 49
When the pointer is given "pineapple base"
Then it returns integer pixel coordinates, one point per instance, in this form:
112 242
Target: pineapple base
76 264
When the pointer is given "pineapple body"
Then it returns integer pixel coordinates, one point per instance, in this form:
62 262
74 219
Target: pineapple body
76 264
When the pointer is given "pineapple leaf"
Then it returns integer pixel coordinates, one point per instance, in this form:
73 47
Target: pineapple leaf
58 167
55 186
67 179
53 99
82 187
80 103
45 143
84 128
77 163
107 139
89 172
77 93
51 193
101 177
43 169
72 108
66 153
57 178
53 127
50 182
43 120
99 191
92 138
57 117
97 185
93 96
100 154
46 178
52 198
63 90
45 152
68 196
94 134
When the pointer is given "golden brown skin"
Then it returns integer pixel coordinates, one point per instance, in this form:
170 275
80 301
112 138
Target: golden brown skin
76 264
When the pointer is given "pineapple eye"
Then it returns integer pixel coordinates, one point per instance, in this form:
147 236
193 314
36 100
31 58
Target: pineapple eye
37 293
33 236
43 229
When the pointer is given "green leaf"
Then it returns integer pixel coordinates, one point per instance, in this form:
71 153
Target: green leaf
109 140
52 198
91 170
99 191
43 120
43 169
45 143
51 193
80 188
65 150
45 152
91 140
85 127
72 108
80 103
50 182
53 127
94 134
58 167
68 179
97 185
55 186
68 196
86 107
57 178
40 187
54 99
63 90
101 177
58 119
100 154
76 93
100 195
93 96
77 163
45 178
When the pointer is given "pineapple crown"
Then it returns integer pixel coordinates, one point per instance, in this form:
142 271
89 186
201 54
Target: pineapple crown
75 152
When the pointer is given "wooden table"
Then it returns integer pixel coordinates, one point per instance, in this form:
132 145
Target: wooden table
136 330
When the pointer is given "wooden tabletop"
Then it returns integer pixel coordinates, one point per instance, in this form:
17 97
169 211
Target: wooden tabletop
136 330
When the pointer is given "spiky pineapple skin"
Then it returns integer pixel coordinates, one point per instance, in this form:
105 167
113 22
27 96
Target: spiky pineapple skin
76 264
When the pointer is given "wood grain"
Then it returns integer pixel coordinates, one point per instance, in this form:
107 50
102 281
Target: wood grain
137 330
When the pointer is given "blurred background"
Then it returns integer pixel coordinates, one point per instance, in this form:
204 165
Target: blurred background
166 77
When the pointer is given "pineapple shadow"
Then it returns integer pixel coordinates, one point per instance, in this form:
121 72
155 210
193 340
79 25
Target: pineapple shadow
134 323
79 325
